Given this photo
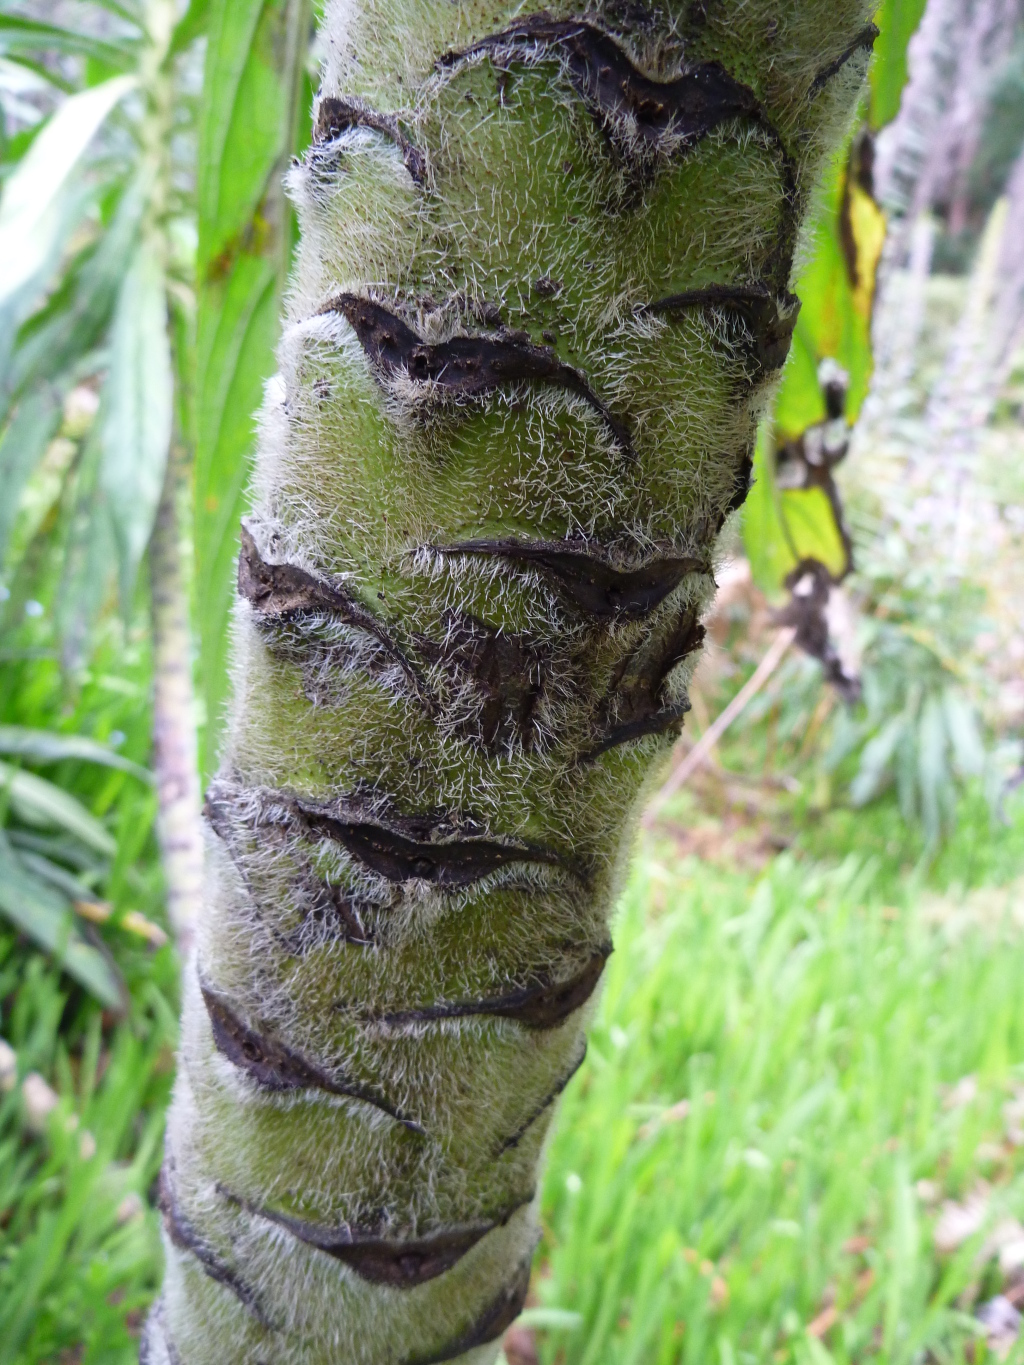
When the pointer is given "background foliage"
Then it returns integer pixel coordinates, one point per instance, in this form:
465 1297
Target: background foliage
257 97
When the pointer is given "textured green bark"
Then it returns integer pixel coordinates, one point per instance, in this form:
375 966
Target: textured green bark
541 300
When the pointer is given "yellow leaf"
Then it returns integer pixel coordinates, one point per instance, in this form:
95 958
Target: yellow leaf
811 528
861 225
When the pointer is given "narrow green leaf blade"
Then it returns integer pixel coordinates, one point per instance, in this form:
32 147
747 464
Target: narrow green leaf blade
137 403
54 875
45 916
764 535
22 445
78 314
39 802
876 761
964 733
932 763
20 35
59 846
90 552
243 126
192 25
897 21
48 746
237 331
37 208
253 75
550 1319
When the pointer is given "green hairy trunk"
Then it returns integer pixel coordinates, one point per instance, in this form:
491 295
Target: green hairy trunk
541 301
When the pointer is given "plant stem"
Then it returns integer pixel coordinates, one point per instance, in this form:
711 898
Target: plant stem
175 751
541 299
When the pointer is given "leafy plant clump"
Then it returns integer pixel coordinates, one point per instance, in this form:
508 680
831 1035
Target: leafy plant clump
87 1005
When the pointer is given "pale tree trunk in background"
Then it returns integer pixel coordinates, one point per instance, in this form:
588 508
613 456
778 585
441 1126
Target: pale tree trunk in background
175 754
542 297
922 170
923 157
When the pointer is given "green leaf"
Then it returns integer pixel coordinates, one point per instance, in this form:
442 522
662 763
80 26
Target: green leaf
43 198
964 733
60 846
244 125
897 20
830 323
90 551
906 773
875 762
192 25
20 35
814 1353
799 402
54 875
783 527
47 746
44 915
254 63
43 804
550 1319
788 526
136 411
764 536
237 331
22 446
835 288
811 528
18 75
130 10
932 767
77 315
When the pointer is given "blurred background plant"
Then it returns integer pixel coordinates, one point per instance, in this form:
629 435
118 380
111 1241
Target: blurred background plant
98 239
88 993
913 518
97 232
109 144
934 480
108 294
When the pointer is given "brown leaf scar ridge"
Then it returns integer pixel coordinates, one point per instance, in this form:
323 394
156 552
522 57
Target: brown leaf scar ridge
541 1004
506 670
699 100
450 865
399 1262
186 1238
635 705
335 116
864 42
767 316
466 366
591 584
490 1324
397 847
275 1067
640 115
513 1140
282 594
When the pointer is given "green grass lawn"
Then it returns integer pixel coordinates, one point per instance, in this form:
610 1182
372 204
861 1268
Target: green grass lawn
765 1128
762 1138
